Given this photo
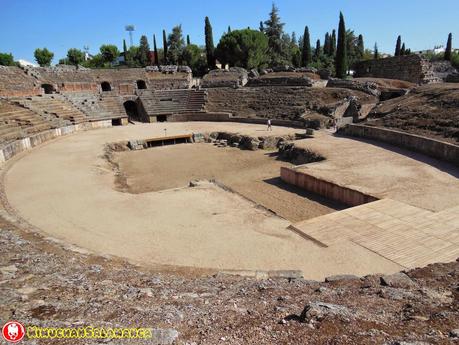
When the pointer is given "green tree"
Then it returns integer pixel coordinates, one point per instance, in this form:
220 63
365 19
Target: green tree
229 29
333 43
398 46
97 61
317 51
360 47
261 27
188 42
175 45
210 49
243 48
144 51
75 56
403 49
109 53
125 53
327 44
449 47
6 59
376 52
295 51
274 30
43 57
155 49
341 54
193 57
306 56
165 47
352 49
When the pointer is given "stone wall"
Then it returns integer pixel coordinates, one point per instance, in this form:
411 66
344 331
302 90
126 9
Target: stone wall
9 151
234 77
15 81
430 147
347 196
411 68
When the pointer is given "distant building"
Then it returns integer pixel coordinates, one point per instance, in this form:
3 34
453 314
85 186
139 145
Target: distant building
26 63
436 50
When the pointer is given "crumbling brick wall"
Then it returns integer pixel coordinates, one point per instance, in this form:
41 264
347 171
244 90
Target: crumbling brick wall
411 68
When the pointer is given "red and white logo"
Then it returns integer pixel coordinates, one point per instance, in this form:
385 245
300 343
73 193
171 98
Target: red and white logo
13 331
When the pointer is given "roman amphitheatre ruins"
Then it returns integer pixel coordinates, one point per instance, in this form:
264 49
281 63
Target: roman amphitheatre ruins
148 170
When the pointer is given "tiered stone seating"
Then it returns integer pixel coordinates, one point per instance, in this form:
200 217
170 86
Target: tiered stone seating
17 122
113 104
91 105
52 107
173 101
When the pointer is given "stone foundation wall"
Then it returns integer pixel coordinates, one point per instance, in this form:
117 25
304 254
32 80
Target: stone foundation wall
324 188
430 147
411 68
10 150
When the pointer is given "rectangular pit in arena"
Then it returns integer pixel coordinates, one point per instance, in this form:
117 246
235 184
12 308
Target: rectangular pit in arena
160 141
252 174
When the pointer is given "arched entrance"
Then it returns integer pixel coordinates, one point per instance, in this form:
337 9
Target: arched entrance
48 88
106 86
141 85
132 110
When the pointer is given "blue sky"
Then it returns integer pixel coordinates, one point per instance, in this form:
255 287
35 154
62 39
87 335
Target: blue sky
62 24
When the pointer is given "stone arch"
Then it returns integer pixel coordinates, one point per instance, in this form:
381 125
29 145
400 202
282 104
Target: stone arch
48 88
132 110
105 85
141 84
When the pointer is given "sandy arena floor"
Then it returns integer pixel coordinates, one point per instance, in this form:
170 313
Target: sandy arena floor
253 174
66 189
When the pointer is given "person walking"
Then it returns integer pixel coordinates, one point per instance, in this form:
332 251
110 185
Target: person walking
269 125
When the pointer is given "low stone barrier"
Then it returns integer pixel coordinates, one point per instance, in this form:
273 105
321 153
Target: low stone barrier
430 147
10 150
325 188
226 117
274 122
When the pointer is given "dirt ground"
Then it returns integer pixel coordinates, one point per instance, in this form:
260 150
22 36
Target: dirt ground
46 284
65 189
253 174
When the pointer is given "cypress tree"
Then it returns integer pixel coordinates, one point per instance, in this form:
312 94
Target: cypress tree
229 29
188 42
341 53
360 46
209 44
317 51
403 50
262 28
125 53
449 47
333 43
327 44
306 56
155 51
165 47
376 52
398 46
